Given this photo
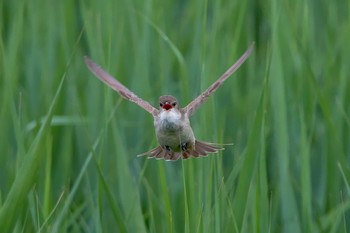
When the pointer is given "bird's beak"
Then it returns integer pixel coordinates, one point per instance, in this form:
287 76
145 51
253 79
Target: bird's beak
167 106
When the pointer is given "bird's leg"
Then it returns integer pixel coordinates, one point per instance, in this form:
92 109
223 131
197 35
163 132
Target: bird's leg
184 146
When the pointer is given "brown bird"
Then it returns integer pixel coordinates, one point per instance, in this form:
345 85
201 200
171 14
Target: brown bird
172 125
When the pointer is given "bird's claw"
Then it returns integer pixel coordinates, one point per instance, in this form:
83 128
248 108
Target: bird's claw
184 147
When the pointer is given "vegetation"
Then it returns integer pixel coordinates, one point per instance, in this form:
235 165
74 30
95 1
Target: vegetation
68 143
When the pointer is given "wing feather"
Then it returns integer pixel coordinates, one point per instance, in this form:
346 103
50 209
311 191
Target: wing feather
193 106
117 86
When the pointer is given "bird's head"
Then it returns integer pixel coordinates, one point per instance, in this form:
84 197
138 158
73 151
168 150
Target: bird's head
168 102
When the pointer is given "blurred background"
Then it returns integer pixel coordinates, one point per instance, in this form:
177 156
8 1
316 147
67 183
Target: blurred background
68 143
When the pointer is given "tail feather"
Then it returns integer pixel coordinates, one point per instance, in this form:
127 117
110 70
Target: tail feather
205 148
200 149
195 154
160 153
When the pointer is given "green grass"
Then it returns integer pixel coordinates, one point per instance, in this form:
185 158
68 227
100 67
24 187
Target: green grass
68 143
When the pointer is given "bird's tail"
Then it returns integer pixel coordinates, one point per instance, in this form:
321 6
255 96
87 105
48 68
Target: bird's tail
200 149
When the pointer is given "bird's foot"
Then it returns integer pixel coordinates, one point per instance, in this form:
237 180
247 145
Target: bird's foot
184 147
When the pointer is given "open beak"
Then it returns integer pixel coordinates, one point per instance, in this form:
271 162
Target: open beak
167 106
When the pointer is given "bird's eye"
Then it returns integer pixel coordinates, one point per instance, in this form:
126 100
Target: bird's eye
160 104
174 104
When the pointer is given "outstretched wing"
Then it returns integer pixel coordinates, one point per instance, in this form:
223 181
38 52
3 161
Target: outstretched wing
117 86
192 107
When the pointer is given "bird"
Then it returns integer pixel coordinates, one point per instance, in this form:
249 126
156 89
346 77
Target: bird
171 122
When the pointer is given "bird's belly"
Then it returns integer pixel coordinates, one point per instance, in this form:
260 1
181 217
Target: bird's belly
174 133
170 126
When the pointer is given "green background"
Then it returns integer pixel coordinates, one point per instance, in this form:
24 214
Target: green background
68 143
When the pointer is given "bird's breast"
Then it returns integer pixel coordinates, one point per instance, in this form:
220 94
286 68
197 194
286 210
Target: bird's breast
169 121
173 129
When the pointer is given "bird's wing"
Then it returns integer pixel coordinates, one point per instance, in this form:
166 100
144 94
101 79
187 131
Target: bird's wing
117 86
193 106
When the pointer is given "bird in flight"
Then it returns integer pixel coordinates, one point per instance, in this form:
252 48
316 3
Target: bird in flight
172 125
